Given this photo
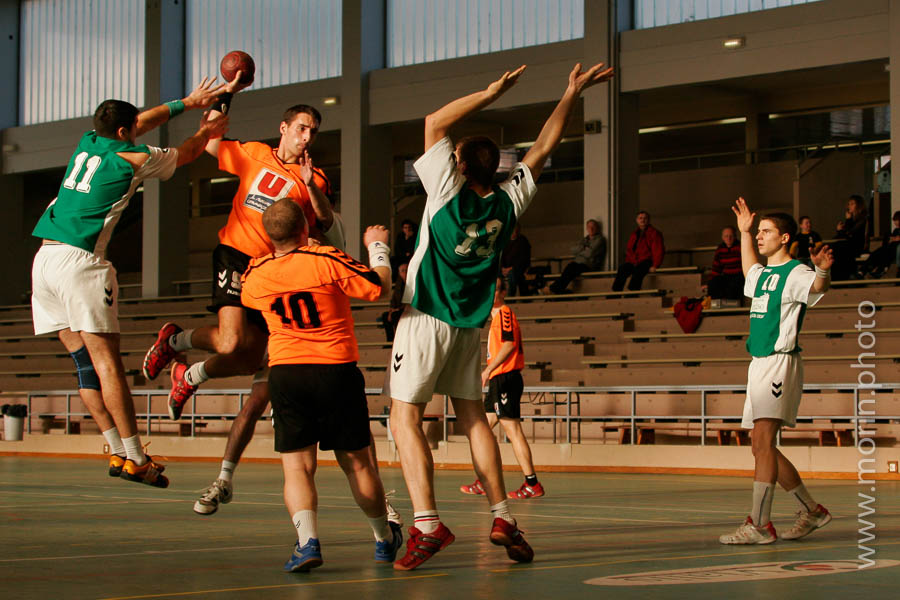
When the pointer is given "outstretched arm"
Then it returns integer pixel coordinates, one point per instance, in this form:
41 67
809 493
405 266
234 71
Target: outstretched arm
744 223
555 126
438 123
220 107
192 147
202 97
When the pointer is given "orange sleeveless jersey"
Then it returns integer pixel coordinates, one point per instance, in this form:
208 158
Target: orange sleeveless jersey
264 179
505 328
305 299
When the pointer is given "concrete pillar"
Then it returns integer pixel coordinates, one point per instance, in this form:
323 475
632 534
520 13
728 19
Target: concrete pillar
366 154
166 204
895 99
16 243
9 64
611 152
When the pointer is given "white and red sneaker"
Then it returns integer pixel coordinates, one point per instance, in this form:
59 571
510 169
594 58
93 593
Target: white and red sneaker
748 533
807 522
422 546
527 491
475 489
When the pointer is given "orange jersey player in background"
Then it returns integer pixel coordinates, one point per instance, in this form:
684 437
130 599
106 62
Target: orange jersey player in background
317 392
503 377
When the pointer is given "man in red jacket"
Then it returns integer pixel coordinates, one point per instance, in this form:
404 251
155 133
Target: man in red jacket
726 277
643 254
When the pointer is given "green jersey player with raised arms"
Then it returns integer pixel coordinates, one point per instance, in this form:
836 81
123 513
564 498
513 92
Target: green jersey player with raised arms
74 286
781 290
450 291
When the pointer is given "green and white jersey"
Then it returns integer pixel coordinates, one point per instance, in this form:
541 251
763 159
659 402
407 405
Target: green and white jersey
780 296
453 272
96 190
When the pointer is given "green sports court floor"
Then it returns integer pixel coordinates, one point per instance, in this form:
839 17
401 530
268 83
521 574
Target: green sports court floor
69 531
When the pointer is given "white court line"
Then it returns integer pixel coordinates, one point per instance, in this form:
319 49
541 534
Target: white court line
143 553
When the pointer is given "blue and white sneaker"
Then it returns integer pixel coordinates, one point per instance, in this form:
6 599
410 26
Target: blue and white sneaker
304 558
386 551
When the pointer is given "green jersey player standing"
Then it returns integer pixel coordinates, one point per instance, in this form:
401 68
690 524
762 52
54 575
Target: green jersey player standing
450 289
74 288
780 290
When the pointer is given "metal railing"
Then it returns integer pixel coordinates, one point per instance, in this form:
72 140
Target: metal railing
564 400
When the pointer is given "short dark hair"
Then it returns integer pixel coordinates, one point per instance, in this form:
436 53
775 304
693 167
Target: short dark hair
800 220
409 222
292 112
113 114
896 216
283 221
642 212
482 157
784 223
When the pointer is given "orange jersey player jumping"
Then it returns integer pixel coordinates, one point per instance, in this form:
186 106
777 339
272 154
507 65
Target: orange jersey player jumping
239 339
503 376
318 393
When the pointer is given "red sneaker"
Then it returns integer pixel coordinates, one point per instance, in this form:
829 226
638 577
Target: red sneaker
181 391
506 534
475 489
422 546
527 491
160 353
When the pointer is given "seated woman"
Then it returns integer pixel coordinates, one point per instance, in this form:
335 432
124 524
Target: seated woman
888 254
853 236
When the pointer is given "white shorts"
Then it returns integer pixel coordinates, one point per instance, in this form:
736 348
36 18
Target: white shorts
774 388
433 357
73 288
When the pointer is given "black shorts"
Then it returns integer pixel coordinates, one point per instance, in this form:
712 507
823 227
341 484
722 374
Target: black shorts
228 266
505 395
319 403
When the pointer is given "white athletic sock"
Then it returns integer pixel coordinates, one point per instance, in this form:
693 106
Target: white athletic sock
181 341
196 374
133 450
803 497
306 524
381 529
227 472
115 441
763 494
501 510
427 521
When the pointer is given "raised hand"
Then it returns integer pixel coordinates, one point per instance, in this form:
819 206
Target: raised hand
506 81
204 94
235 85
306 167
376 233
581 80
743 214
823 257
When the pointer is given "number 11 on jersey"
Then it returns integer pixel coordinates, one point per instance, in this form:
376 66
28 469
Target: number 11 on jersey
481 238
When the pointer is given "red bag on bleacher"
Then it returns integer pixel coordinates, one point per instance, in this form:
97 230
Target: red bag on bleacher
689 313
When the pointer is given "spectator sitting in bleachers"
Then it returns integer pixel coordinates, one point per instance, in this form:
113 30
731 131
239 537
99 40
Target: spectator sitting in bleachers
805 239
643 254
515 261
726 276
405 245
888 254
853 233
589 253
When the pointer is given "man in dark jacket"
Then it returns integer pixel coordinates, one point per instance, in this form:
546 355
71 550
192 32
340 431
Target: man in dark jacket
643 254
515 261
727 277
589 256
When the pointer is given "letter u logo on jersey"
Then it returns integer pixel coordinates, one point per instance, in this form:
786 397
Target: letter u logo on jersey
266 189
